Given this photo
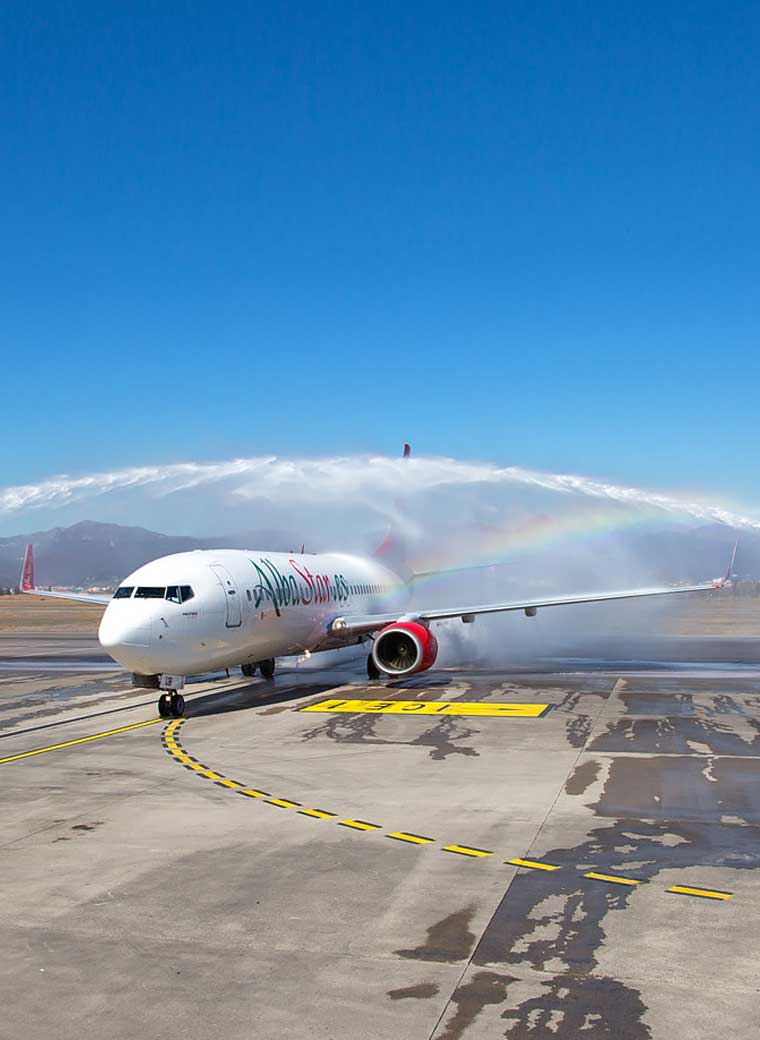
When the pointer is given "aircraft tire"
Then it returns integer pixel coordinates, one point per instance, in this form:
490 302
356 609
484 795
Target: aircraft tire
373 672
164 706
267 668
176 705
248 670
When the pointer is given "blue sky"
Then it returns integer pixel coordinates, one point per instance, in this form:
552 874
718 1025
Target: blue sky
514 232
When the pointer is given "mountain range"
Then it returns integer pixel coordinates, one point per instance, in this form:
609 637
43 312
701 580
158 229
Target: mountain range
91 553
101 554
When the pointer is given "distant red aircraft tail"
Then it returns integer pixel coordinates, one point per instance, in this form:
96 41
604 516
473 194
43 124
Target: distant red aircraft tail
27 572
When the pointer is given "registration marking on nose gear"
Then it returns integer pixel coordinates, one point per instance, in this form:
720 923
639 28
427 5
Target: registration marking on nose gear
461 708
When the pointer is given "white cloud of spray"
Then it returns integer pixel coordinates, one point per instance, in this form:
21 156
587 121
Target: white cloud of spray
558 532
375 480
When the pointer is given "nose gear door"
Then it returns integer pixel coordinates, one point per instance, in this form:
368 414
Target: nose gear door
231 595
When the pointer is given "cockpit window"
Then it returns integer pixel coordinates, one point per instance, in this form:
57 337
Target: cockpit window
186 593
150 592
124 592
172 593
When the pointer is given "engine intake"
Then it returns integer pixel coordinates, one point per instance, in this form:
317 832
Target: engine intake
405 648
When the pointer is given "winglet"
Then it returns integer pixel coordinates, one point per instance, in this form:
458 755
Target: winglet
726 579
27 571
407 451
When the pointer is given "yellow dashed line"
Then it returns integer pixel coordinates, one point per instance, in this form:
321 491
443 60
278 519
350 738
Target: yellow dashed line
465 850
413 839
177 752
705 893
612 878
534 864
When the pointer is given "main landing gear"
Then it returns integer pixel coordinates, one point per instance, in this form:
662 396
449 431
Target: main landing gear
372 670
265 667
171 705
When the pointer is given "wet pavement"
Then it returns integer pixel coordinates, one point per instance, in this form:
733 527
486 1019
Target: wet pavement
262 871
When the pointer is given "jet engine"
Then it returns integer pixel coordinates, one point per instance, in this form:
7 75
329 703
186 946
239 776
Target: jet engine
405 648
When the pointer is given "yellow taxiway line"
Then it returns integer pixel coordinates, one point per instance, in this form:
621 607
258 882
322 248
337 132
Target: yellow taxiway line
175 749
79 740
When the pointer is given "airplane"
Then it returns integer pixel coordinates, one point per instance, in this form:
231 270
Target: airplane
211 609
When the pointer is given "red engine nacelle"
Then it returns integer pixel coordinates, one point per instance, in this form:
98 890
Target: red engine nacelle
405 648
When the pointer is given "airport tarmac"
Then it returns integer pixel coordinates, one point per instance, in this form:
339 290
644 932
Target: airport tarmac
286 863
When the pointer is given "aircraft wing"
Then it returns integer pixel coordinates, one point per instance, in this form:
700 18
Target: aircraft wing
366 623
26 584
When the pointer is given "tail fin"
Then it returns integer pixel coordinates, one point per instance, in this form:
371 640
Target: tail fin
27 571
392 551
719 583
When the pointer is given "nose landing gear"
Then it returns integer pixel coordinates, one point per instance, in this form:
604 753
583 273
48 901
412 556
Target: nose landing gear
171 705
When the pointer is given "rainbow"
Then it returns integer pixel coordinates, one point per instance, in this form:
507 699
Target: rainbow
516 539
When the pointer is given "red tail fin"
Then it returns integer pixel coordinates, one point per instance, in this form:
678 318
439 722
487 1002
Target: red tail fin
27 573
391 550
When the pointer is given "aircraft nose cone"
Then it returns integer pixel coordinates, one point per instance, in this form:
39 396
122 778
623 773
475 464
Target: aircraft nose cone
125 637
118 631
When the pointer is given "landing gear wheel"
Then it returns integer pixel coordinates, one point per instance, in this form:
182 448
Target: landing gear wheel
248 670
176 705
372 670
164 706
267 668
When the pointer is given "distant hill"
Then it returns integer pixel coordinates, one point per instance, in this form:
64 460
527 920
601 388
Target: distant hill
90 553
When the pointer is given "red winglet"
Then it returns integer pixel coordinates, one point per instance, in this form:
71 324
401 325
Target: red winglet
407 451
27 575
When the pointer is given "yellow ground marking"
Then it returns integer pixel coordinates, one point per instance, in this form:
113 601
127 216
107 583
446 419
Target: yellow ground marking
706 893
184 758
494 710
465 850
79 740
362 825
533 863
414 839
611 877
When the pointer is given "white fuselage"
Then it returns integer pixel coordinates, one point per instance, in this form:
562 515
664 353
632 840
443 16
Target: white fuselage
199 611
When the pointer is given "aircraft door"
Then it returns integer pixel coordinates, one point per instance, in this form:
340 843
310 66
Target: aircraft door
231 595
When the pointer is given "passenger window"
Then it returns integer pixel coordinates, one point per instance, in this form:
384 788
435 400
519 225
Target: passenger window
172 593
186 593
124 592
248 594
